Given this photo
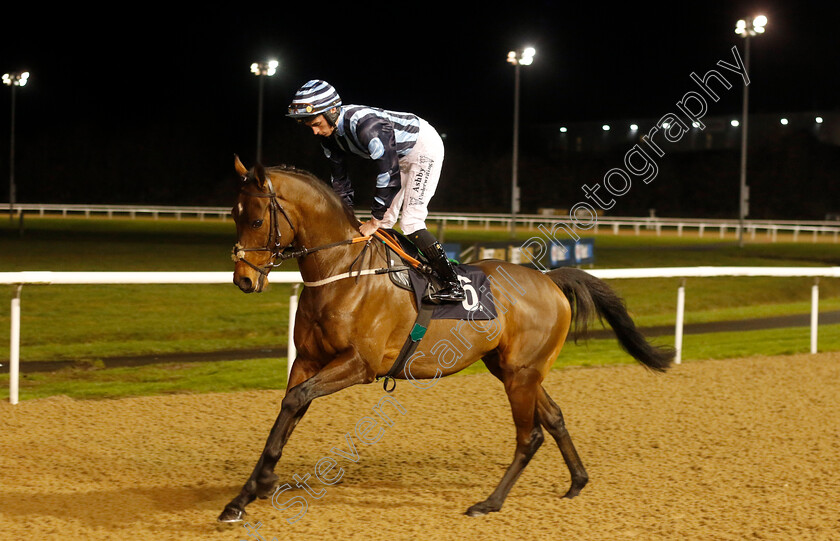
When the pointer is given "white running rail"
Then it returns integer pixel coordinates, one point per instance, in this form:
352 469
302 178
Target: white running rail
21 278
770 229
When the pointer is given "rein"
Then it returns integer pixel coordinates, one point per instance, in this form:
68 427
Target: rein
282 254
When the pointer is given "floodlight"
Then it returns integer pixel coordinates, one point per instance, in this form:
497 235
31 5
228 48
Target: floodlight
525 57
265 68
751 28
15 79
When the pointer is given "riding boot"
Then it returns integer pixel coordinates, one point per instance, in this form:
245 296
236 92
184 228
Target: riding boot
451 290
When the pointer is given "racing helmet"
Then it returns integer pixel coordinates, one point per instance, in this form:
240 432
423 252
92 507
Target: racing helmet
314 98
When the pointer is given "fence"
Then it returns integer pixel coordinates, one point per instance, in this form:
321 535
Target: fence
19 279
769 229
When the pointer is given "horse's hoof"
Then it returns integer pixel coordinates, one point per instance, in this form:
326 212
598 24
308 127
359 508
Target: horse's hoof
571 493
480 509
232 514
577 486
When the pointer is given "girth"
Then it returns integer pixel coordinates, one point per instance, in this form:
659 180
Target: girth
421 324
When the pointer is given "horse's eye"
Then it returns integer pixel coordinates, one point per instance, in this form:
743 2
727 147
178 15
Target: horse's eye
257 224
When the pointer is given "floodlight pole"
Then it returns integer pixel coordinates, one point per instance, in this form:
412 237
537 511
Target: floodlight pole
743 203
517 58
262 70
12 161
13 80
746 29
514 188
260 120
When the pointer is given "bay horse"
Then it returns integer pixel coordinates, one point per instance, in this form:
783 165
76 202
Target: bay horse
350 328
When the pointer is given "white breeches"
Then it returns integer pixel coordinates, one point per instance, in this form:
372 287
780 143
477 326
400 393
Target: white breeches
419 175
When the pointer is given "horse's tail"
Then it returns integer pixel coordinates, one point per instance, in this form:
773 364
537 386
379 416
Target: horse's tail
589 295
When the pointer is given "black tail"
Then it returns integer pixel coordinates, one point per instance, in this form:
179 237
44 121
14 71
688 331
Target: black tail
589 295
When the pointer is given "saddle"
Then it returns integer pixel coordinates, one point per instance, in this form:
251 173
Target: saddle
420 280
411 258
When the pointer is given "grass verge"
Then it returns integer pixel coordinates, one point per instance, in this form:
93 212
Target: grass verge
255 374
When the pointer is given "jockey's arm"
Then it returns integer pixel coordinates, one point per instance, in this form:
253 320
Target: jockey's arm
378 137
339 178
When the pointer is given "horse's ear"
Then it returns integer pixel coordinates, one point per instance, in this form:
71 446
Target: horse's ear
259 175
237 164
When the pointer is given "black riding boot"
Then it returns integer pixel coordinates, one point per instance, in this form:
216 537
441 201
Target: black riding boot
451 290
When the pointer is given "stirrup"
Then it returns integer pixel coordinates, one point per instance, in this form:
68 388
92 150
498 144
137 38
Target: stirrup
452 292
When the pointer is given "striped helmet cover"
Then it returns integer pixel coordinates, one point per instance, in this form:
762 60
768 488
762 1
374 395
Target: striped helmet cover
313 98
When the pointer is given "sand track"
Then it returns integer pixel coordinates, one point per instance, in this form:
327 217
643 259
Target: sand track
718 449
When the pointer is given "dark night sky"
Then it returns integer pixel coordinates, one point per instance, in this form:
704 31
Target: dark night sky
148 71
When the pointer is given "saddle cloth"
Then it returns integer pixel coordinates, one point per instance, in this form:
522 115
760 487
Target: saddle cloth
477 306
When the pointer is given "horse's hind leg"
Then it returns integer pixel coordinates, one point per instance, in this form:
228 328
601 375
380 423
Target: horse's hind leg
551 418
522 387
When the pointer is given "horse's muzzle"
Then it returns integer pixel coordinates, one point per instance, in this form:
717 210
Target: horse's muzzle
249 284
244 283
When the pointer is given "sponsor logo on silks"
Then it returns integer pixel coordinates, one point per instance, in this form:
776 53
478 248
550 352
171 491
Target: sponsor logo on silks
421 180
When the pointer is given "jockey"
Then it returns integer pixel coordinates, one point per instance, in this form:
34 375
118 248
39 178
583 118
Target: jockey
408 153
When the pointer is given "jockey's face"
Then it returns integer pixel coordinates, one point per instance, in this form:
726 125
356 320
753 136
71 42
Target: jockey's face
320 126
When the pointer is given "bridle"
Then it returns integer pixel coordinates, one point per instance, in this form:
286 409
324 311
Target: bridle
273 244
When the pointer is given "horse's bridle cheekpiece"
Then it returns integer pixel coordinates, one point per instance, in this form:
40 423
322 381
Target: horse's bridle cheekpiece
273 244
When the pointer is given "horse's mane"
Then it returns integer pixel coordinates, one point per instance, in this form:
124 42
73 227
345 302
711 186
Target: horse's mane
318 185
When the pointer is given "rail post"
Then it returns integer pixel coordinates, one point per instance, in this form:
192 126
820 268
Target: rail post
292 350
14 346
678 328
815 307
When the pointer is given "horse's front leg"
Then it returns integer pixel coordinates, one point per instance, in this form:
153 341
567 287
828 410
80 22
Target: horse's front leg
344 371
302 370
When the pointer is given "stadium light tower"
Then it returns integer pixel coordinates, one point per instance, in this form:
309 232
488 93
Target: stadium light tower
746 29
13 80
522 57
262 70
